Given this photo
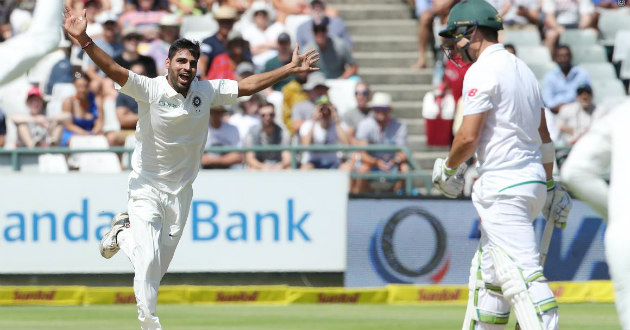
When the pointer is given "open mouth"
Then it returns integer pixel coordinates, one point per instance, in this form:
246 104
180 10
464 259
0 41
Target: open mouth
184 78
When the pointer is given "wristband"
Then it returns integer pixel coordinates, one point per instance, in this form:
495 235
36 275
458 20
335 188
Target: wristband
550 184
447 170
87 43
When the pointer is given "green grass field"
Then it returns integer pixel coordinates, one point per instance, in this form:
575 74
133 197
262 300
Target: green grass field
293 317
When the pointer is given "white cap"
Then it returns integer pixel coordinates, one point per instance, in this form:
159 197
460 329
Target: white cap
381 100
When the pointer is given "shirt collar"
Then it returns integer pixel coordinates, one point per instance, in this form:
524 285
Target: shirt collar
491 49
170 92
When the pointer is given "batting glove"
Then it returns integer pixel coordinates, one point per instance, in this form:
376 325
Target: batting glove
449 181
558 205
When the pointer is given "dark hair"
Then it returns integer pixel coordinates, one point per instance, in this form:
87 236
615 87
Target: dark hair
182 43
489 33
562 46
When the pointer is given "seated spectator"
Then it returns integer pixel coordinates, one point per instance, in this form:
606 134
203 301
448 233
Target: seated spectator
285 8
92 9
131 38
353 117
561 83
381 128
224 65
62 71
187 7
248 117
574 119
158 48
566 14
85 110
336 26
324 128
217 44
282 58
3 128
262 34
335 57
126 113
293 93
315 87
35 129
267 134
109 43
221 134
145 18
517 15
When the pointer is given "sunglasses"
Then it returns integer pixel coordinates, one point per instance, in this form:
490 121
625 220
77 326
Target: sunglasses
264 115
364 93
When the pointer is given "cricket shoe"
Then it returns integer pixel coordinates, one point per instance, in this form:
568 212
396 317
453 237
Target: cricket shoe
109 244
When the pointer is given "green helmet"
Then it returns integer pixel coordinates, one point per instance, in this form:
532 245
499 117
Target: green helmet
469 13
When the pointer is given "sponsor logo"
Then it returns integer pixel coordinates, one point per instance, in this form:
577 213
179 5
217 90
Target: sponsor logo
441 295
168 105
343 298
124 298
34 295
237 296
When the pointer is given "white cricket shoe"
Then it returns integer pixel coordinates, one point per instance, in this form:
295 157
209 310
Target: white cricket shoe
109 244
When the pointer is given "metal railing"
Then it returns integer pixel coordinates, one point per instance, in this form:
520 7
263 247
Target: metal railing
414 169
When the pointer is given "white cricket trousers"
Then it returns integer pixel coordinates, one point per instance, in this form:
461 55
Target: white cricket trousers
157 221
506 222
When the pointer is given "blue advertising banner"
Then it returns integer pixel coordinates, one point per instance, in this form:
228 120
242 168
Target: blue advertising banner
433 241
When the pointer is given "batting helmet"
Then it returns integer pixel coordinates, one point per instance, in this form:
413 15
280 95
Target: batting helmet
471 13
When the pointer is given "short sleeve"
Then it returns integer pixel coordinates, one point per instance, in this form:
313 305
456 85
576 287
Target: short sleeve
225 91
586 7
306 127
141 88
234 137
363 130
286 138
478 92
248 141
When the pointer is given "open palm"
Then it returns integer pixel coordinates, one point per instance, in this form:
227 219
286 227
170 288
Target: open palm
73 24
304 62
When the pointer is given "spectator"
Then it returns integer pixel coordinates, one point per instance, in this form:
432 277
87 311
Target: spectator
35 129
324 128
517 14
248 116
3 128
336 60
566 14
315 87
186 7
145 18
353 117
224 65
561 83
267 134
282 58
126 113
158 48
130 55
262 35
221 134
285 8
109 43
92 10
293 93
336 26
425 13
61 72
574 119
381 129
244 70
85 111
510 48
217 44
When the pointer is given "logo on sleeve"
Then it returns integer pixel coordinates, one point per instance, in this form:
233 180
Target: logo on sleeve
472 92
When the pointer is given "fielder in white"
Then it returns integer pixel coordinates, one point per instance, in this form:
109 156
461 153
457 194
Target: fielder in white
505 125
603 148
20 53
171 134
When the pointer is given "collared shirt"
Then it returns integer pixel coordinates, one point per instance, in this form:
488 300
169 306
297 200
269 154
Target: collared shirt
336 27
172 129
559 89
574 116
502 85
395 133
333 60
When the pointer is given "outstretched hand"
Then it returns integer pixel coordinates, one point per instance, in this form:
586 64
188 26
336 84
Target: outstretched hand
75 25
304 62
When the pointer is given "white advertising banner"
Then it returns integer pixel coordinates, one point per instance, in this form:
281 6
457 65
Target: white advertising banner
240 221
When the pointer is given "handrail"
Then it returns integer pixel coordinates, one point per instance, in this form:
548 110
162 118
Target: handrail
415 170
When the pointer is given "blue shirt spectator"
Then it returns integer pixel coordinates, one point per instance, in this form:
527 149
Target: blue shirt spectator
336 26
60 73
560 85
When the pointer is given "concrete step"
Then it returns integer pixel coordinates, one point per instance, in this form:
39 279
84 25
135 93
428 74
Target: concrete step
414 126
403 92
388 75
407 109
426 158
351 12
369 59
388 43
382 27
335 3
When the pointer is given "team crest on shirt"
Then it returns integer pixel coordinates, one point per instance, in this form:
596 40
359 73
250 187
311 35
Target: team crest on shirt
196 101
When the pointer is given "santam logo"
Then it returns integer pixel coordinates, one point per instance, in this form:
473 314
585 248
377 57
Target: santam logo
343 298
441 295
34 295
237 296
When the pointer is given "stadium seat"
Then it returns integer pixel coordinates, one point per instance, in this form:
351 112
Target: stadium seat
522 38
341 93
541 69
59 93
52 163
611 21
607 90
533 54
599 71
579 37
621 53
590 53
293 22
93 162
198 27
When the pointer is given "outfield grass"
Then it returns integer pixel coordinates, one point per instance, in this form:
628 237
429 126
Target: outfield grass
292 317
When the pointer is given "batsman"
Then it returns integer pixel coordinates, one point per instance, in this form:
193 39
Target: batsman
504 124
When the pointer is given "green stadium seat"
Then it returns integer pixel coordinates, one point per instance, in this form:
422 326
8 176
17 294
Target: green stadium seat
599 71
522 38
607 90
611 21
579 37
588 54
533 54
541 69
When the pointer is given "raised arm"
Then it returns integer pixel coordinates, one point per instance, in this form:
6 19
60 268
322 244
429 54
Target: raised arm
299 63
76 26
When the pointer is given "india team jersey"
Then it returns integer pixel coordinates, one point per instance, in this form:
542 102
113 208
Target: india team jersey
172 129
503 86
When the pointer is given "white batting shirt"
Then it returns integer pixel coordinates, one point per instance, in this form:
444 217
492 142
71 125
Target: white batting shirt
172 129
509 149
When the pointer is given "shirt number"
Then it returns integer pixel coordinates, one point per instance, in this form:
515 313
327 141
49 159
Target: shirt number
472 92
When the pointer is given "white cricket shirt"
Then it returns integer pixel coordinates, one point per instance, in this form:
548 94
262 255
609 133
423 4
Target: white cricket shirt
509 148
172 129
